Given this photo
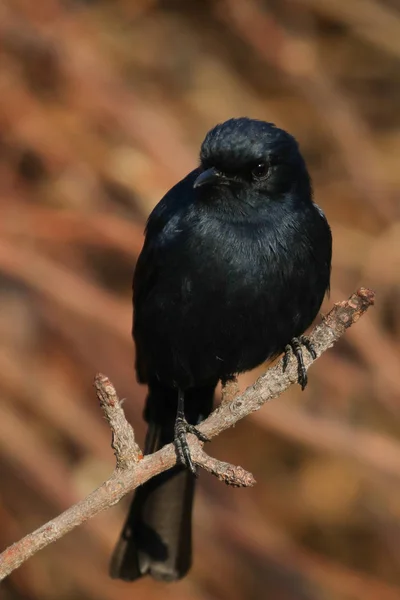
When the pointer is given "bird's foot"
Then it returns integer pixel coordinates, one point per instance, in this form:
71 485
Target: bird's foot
182 428
296 346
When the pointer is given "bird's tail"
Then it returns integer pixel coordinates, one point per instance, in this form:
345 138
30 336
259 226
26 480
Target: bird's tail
157 535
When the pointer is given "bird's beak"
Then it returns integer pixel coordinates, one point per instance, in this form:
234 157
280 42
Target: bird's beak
207 177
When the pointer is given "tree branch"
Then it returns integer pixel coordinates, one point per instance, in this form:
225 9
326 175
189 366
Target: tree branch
132 469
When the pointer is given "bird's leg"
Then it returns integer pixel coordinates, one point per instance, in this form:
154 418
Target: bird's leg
182 428
295 346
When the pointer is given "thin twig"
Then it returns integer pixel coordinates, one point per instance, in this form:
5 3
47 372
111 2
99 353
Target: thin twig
133 470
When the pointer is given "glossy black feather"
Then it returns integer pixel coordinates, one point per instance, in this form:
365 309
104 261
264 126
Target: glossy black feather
230 271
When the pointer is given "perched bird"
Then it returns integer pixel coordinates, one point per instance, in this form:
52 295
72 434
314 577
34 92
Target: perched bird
234 268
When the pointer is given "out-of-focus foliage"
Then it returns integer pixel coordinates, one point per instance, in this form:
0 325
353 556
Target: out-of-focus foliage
103 105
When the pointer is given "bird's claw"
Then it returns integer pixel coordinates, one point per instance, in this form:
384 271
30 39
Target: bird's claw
307 343
295 346
182 428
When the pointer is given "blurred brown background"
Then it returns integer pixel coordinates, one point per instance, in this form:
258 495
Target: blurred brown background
103 105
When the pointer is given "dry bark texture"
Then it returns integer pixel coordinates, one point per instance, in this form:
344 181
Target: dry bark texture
132 469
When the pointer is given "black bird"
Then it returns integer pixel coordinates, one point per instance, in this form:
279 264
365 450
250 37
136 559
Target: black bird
234 268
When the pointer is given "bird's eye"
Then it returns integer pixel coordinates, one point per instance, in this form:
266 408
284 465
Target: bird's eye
260 171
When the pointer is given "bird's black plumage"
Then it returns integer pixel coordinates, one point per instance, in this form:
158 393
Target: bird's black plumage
235 264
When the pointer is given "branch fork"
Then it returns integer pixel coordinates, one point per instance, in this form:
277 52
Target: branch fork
133 469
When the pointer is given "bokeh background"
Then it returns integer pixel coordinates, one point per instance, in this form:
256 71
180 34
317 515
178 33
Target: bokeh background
103 105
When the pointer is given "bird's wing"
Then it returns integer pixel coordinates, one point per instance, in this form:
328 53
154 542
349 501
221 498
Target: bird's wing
145 279
160 229
326 243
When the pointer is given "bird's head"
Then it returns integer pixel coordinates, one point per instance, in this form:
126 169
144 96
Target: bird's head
253 162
